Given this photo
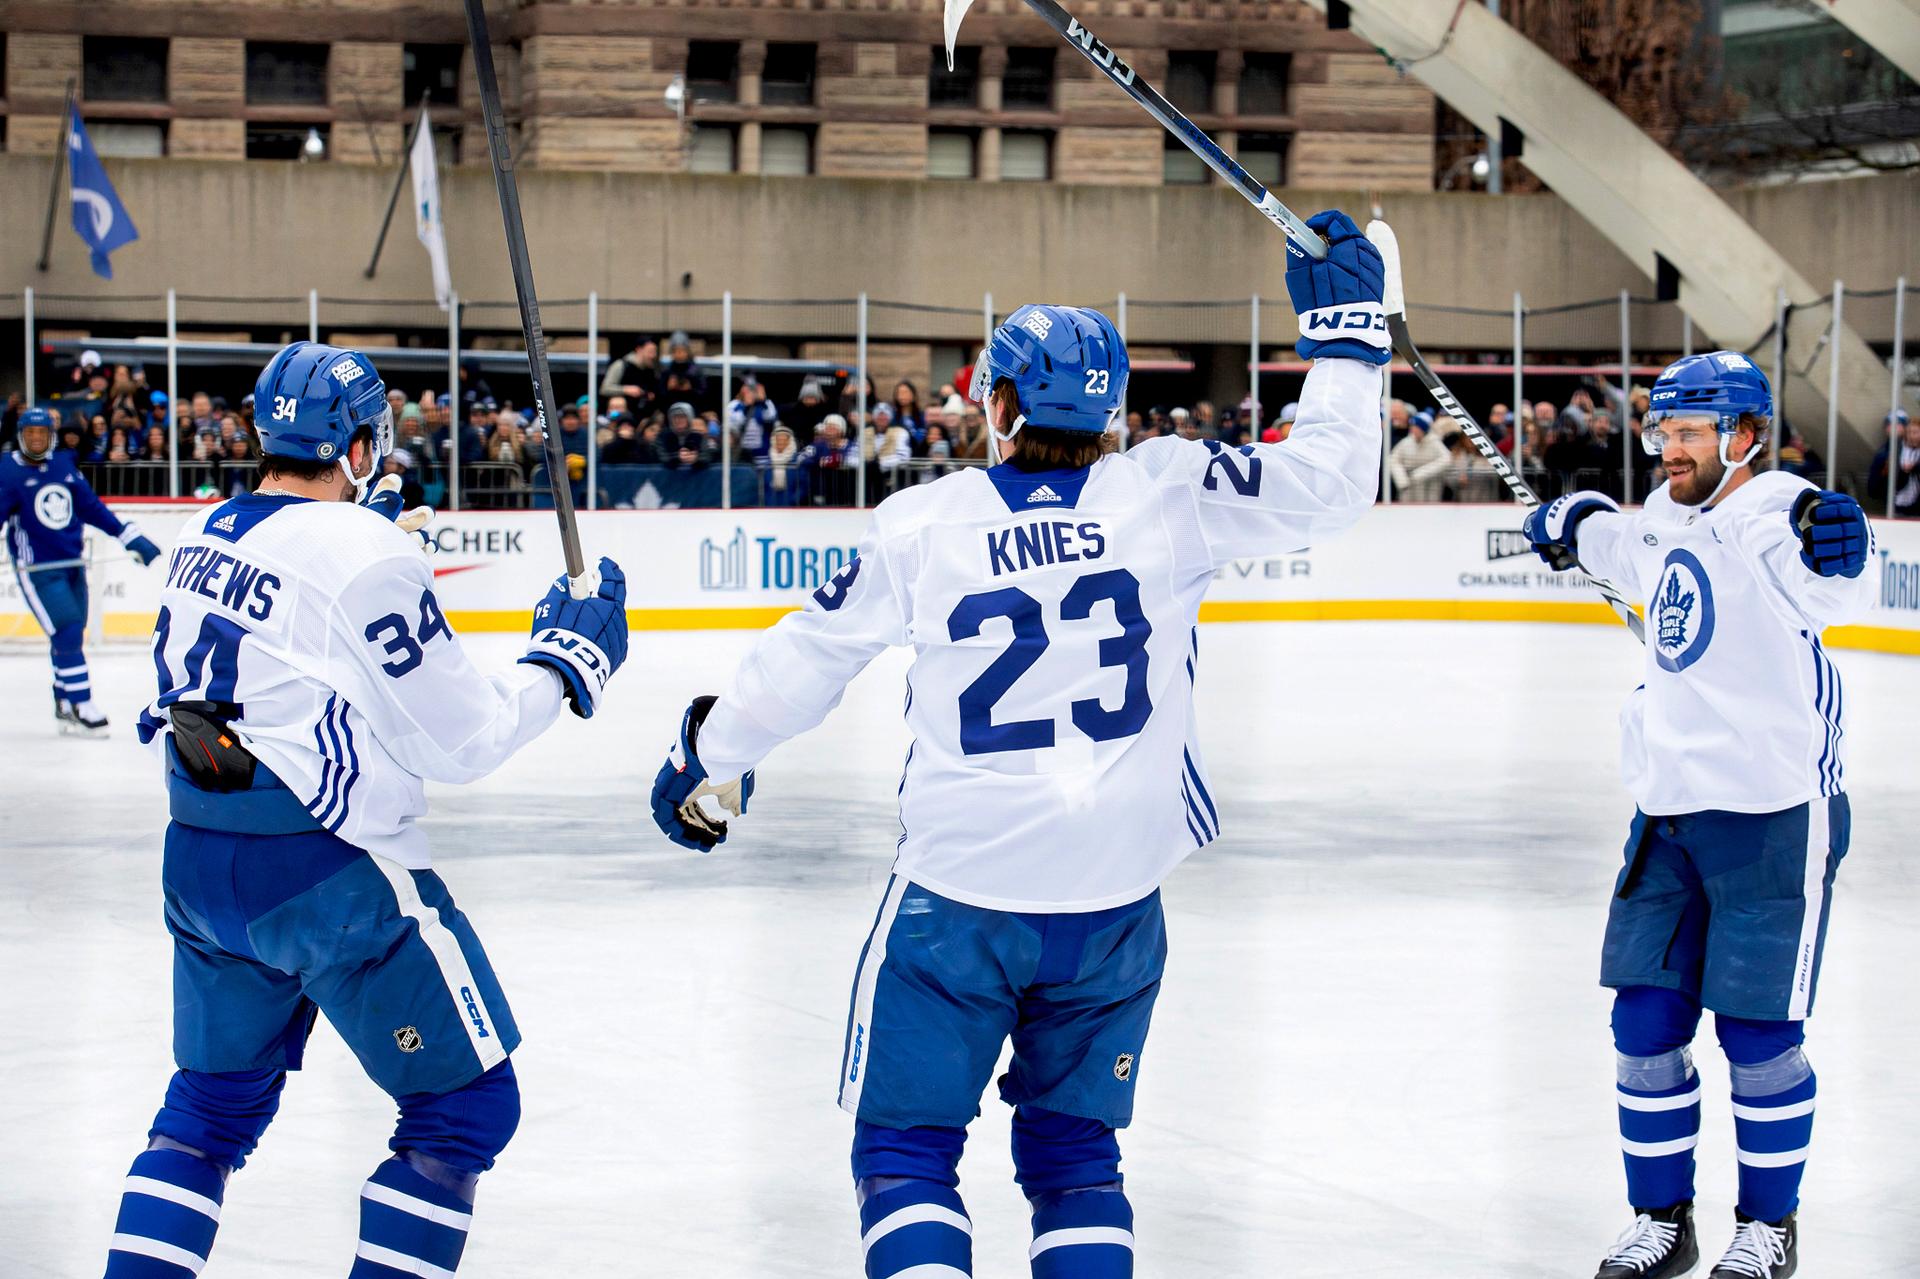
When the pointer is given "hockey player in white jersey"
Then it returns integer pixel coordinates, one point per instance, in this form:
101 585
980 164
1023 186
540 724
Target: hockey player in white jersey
1732 749
1055 777
308 685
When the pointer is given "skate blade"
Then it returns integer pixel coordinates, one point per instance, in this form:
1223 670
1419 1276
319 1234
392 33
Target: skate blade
70 729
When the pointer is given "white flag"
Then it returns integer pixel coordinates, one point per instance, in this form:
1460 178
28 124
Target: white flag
426 209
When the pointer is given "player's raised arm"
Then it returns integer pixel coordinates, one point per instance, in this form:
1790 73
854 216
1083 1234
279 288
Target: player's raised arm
438 714
92 510
1814 553
788 682
1264 499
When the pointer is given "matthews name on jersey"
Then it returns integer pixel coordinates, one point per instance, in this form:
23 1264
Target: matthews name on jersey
350 686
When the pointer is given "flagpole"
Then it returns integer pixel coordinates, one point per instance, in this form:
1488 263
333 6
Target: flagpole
59 167
400 176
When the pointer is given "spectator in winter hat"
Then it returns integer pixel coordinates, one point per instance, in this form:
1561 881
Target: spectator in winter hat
1184 424
1418 464
782 484
804 414
692 447
681 378
750 415
1282 426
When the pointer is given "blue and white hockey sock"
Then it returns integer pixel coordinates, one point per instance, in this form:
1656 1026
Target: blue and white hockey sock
1659 1100
70 679
409 1225
169 1213
1082 1234
1773 1126
917 1228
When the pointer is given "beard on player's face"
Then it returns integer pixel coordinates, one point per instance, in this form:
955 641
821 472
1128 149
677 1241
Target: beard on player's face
1692 475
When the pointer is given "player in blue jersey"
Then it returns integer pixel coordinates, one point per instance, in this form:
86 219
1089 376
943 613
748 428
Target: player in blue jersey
308 686
1056 776
1733 750
46 505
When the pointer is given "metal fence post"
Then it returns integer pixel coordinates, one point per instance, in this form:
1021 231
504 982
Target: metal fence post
1686 334
1833 388
1779 377
986 308
1120 324
454 424
1253 368
860 372
593 400
1899 374
313 315
27 315
173 395
726 398
1519 354
1626 395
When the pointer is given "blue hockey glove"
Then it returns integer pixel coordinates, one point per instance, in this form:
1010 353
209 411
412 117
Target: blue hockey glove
1553 528
141 547
384 499
1833 533
584 640
682 783
1339 299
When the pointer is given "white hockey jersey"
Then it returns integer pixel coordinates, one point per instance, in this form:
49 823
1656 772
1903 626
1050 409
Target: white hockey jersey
318 620
1742 709
1055 765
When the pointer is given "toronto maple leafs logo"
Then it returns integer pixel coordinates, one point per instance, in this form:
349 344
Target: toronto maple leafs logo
1681 611
1672 610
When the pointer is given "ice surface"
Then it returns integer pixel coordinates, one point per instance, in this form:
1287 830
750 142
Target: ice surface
1379 1049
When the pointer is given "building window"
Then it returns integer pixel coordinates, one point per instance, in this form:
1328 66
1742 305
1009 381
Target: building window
446 145
1028 82
1024 155
117 69
711 150
950 153
1180 166
959 87
788 79
1190 80
1264 156
145 139
713 70
285 141
286 74
432 71
1263 84
786 153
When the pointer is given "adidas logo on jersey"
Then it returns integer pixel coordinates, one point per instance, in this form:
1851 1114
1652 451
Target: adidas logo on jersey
1044 493
224 523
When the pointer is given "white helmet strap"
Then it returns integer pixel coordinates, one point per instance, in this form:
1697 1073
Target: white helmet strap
1000 437
1729 467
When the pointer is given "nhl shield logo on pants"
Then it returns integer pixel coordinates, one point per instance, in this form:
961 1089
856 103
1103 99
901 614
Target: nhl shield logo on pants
1123 1067
407 1039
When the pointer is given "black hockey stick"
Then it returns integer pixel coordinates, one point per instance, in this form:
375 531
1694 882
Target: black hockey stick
1101 55
509 189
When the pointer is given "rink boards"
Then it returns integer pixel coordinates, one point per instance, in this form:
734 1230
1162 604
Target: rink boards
697 570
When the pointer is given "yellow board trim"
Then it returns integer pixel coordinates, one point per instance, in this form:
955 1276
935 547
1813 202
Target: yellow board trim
1874 639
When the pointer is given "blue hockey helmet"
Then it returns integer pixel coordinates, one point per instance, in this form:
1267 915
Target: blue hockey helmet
312 399
1067 364
40 417
1722 385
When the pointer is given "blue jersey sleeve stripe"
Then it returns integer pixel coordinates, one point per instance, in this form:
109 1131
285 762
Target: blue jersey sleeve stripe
1194 809
336 803
322 803
353 768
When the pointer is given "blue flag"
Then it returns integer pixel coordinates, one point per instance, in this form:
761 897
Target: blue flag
98 216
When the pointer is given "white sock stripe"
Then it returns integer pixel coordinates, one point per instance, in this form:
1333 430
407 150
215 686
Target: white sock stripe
401 1261
373 1192
932 1270
32 597
452 962
1077 1235
1773 1159
69 670
1659 1149
1766 1114
913 1215
157 1189
1819 838
169 1253
1653 1105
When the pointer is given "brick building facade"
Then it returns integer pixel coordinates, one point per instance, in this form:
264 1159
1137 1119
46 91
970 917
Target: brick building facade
849 88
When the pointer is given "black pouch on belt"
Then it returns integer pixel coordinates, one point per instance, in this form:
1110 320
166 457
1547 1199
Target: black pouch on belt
208 749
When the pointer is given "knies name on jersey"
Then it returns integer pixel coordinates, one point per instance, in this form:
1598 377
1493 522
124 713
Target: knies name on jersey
226 579
1031 544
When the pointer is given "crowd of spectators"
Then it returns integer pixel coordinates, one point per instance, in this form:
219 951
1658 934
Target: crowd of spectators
661 421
